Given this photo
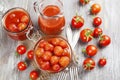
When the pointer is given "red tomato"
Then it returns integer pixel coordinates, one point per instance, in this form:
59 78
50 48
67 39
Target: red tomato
102 62
97 32
66 53
56 67
95 8
58 50
104 40
86 35
54 60
24 19
34 75
84 1
89 64
49 47
21 49
97 21
63 44
12 15
12 27
21 66
39 52
45 65
15 20
64 61
30 54
40 61
42 43
22 26
47 55
91 50
77 22
55 41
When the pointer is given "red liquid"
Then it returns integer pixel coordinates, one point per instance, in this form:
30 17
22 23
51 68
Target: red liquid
16 23
51 25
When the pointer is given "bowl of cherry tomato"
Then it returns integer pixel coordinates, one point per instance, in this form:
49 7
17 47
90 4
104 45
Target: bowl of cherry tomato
52 54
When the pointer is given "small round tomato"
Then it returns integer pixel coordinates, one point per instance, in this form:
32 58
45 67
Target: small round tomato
55 41
39 52
104 40
66 53
86 35
77 22
40 61
30 54
45 65
97 21
47 55
34 75
21 26
54 60
83 2
89 64
24 19
63 44
21 49
21 66
102 62
12 27
49 47
97 32
42 43
56 67
95 8
64 61
58 50
91 50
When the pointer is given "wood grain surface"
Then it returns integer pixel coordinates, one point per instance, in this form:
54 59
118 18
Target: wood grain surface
111 26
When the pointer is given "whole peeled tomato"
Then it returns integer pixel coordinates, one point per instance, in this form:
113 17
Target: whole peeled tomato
77 22
63 44
102 62
47 55
56 67
54 60
21 66
97 32
83 2
45 65
97 21
30 54
58 50
95 8
21 49
86 35
21 26
104 41
49 47
12 28
39 52
34 75
64 61
55 41
24 19
90 50
89 64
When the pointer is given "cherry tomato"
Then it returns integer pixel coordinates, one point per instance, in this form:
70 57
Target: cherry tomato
47 55
56 67
45 65
58 50
54 60
21 66
34 75
64 61
12 27
30 54
24 19
97 21
77 22
21 49
95 8
63 44
49 47
22 26
86 35
55 41
83 2
39 52
104 40
97 32
91 50
89 64
102 62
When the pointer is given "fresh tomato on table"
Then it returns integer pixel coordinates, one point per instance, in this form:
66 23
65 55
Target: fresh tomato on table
89 64
21 49
95 8
102 62
97 21
86 35
34 75
30 54
104 40
21 66
90 50
84 1
97 32
77 22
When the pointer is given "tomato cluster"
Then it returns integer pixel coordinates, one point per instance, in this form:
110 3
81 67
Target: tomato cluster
52 54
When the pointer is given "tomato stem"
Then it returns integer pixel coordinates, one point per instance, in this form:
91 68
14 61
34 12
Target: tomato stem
16 54
83 50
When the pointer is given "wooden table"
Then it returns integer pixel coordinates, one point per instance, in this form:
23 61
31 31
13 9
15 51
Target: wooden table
110 14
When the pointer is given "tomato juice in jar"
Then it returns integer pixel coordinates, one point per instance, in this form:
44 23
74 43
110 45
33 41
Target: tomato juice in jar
51 19
17 23
52 54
